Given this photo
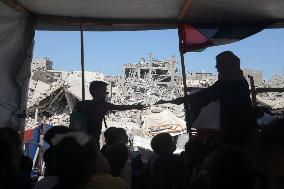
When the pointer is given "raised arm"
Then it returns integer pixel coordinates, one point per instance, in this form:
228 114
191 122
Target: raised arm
177 101
128 107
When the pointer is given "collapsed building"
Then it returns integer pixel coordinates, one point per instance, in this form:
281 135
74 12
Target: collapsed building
200 79
144 82
273 100
147 82
55 92
144 77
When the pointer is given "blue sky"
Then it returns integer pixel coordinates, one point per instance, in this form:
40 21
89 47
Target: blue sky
108 51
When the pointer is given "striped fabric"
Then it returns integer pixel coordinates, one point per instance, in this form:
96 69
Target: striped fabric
199 37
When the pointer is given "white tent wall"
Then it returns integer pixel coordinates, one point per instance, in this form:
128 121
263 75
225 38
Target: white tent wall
16 41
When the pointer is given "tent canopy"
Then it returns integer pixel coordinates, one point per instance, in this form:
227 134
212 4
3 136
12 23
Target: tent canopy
147 14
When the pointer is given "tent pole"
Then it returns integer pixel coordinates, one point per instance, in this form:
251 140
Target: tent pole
252 90
186 105
82 61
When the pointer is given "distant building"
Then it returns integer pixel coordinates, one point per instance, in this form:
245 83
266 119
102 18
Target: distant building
157 72
199 75
257 76
160 71
42 70
42 64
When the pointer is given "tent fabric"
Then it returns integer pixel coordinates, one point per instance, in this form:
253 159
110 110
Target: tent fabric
199 37
28 135
16 41
109 9
32 137
164 121
149 14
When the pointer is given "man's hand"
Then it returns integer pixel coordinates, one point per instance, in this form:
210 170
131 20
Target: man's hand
161 102
128 107
177 101
140 106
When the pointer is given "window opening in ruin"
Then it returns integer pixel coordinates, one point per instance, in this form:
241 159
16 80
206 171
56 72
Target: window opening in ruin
144 73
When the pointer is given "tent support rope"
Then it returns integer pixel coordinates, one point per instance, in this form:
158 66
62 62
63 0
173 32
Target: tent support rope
82 61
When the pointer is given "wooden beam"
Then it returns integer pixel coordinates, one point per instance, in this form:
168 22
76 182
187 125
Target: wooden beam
252 91
185 9
186 105
103 22
14 4
269 90
82 61
108 24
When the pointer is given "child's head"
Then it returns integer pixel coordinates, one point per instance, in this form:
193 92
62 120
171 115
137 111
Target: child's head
109 135
75 156
163 144
98 89
120 135
55 130
44 117
117 155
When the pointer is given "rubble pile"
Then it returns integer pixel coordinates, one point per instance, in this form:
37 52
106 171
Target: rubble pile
60 118
55 92
273 100
145 82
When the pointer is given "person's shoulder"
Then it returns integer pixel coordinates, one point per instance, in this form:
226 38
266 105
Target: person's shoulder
221 83
98 102
175 159
49 125
244 81
82 102
118 181
106 179
46 182
102 104
82 105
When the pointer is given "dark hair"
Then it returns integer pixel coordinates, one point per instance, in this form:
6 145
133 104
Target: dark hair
45 113
117 155
163 144
228 61
120 135
53 131
230 167
108 134
75 164
96 85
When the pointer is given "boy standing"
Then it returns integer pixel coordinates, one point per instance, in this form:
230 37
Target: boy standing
95 109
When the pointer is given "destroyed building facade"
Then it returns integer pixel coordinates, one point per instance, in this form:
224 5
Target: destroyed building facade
143 76
42 70
41 64
160 71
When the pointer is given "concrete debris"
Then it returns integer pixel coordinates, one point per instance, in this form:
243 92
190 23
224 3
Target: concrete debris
164 121
145 82
55 93
273 100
